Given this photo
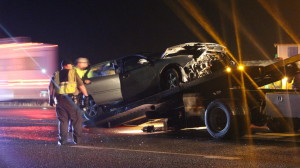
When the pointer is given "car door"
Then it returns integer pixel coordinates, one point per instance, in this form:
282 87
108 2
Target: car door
104 86
137 78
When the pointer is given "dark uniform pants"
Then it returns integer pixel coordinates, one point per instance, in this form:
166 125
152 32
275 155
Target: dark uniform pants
66 110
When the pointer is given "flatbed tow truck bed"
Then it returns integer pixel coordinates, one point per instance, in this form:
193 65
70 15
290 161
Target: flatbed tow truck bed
137 109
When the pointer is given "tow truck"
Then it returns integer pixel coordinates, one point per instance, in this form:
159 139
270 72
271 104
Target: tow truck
226 102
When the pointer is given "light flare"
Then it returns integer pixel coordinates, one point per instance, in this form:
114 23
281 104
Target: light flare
274 12
194 10
182 15
284 82
239 26
236 29
228 69
241 67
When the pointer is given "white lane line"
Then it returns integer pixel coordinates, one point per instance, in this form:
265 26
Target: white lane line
158 152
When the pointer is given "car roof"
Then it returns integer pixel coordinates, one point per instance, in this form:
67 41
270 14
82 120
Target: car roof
144 55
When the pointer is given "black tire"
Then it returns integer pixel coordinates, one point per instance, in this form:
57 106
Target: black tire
225 119
92 111
169 79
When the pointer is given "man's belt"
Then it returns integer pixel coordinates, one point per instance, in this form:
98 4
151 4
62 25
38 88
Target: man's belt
66 95
72 96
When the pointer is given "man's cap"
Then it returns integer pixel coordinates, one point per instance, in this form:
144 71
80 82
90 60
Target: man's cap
82 60
66 62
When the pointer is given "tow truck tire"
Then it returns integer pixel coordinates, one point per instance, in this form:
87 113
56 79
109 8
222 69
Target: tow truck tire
169 79
92 111
225 118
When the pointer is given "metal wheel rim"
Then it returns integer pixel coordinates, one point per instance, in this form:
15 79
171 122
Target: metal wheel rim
93 109
172 80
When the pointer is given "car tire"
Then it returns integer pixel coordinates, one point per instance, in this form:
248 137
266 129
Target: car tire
92 111
221 122
169 79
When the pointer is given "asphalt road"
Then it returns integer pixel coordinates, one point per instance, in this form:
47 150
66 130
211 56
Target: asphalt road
28 139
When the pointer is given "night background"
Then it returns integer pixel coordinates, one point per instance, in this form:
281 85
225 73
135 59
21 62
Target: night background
106 29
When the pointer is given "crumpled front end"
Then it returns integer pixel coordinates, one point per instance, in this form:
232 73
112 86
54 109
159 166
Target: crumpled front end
206 59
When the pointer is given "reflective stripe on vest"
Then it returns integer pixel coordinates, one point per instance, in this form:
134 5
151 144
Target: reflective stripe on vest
66 87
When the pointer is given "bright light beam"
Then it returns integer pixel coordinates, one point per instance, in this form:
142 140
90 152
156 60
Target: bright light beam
273 11
177 9
223 8
194 10
236 30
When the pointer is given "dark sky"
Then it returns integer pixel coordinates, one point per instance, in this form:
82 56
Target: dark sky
106 29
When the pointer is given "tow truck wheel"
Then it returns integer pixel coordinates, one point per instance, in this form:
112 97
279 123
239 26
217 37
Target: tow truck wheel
225 119
169 79
92 111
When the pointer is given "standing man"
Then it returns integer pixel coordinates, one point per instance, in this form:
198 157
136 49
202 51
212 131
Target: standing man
80 68
81 65
64 87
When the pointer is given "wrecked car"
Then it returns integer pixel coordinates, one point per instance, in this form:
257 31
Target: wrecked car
134 77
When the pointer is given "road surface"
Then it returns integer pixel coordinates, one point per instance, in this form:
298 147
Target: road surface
28 139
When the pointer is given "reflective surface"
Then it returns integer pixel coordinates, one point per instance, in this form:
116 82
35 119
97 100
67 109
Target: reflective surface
28 124
28 139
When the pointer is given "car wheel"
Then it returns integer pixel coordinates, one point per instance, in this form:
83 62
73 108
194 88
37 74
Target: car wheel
169 79
92 111
221 122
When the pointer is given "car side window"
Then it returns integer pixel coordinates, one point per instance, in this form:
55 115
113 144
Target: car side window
131 63
102 69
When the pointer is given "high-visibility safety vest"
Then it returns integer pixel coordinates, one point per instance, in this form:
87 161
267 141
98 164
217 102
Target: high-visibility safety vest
68 87
80 72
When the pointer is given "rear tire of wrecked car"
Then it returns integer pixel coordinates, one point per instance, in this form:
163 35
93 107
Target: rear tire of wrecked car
169 79
92 111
